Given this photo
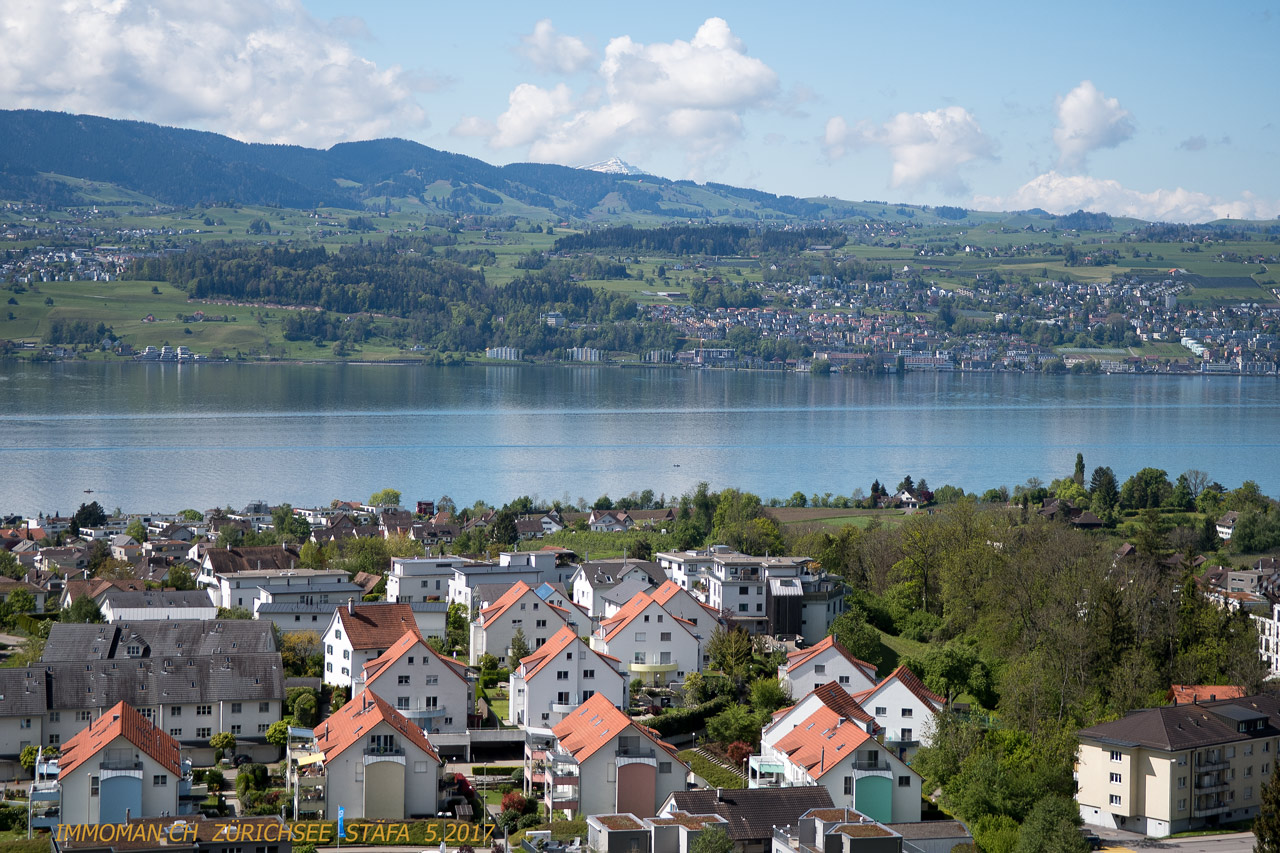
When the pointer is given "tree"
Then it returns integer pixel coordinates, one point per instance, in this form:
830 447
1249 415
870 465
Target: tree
27 758
306 709
137 530
301 654
386 497
1103 489
852 631
798 499
1052 827
1078 476
83 610
1148 488
180 578
1266 826
767 695
88 515
730 652
290 527
446 505
278 733
734 723
907 485
713 839
503 530
18 601
223 742
191 515
519 646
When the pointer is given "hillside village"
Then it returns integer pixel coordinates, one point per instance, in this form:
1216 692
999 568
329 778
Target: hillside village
159 658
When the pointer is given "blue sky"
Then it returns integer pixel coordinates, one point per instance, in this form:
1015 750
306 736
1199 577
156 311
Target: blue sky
1159 110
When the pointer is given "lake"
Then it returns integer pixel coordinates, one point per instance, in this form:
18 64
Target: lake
156 437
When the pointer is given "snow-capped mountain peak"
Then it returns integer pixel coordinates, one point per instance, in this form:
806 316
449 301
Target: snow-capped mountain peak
614 166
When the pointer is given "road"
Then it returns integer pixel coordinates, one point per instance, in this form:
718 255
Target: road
1120 842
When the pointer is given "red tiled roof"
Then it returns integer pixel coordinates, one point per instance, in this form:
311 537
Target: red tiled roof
802 656
821 742
909 680
376 625
560 640
595 723
408 641
838 699
625 614
120 721
1185 694
354 720
508 598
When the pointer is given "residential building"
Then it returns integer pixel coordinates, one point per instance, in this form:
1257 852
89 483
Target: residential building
421 578
520 609
434 692
737 585
1176 768
119 605
827 660
591 580
1227 525
626 833
226 561
360 633
751 814
602 762
677 601
837 830
560 675
120 766
904 708
377 764
253 587
833 746
653 645
686 568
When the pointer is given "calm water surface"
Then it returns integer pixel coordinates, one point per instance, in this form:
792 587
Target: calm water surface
149 437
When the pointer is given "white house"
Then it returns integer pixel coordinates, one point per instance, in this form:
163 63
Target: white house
119 766
687 568
249 589
377 764
603 763
120 605
808 669
561 675
653 645
434 692
359 633
832 747
677 601
904 708
520 609
421 578
592 579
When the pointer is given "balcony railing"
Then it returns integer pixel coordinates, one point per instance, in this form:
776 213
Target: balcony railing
636 752
871 765
384 750
120 764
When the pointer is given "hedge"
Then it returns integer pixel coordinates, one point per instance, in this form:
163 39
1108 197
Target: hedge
485 770
684 721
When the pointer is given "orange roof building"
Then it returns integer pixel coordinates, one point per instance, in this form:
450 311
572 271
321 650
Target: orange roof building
121 763
377 764
560 675
358 633
521 609
653 645
433 691
827 660
604 763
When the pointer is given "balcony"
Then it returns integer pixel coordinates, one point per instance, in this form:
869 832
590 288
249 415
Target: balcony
562 707
121 765
1208 766
1215 808
871 765
45 818
422 713
653 667
373 754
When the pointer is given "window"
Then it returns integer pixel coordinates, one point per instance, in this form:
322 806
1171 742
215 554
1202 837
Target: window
881 710
262 728
160 780
328 667
402 679
84 716
235 729
639 657
906 734
432 679
346 671
1248 749
819 669
55 716
1248 793
1248 771
664 766
1116 779
204 710
540 623
906 713
848 785
562 675
744 590
759 606
1182 805
93 786
844 679
337 634
204 733
54 740
562 698
641 637
743 607
588 673
24 723
904 781
175 732
328 650
1115 799
235 707
1116 755
264 707
402 703
1182 781
346 654
431 702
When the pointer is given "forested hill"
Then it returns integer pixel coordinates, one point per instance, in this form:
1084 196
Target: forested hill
188 167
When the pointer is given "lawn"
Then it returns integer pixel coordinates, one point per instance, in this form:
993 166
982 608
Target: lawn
892 649
716 775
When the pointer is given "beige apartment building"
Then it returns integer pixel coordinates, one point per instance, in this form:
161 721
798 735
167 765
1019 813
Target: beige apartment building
1164 770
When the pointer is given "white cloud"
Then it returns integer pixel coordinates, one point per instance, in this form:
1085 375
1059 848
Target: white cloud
549 50
925 147
1058 193
689 93
1087 121
258 70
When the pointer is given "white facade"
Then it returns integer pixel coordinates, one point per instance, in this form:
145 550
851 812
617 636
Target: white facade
380 773
82 790
421 578
904 709
557 678
519 610
431 692
652 645
301 586
811 668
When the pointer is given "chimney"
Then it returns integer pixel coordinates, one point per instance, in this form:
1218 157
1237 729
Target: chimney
719 795
351 606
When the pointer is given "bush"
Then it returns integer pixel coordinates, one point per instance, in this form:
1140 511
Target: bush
738 752
683 721
215 779
252 777
514 802
527 821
